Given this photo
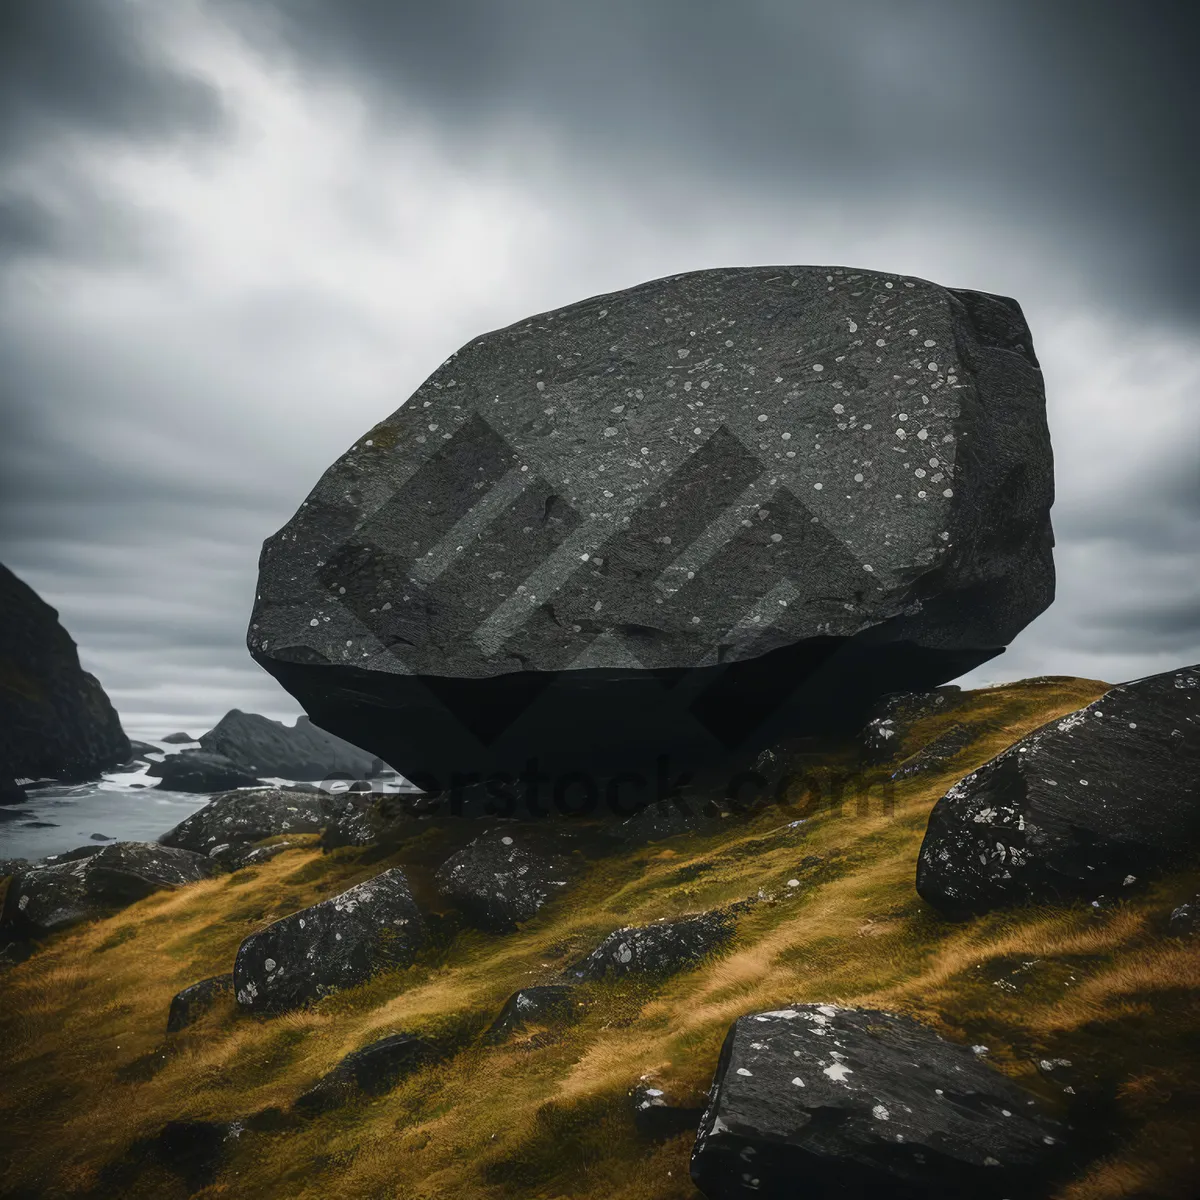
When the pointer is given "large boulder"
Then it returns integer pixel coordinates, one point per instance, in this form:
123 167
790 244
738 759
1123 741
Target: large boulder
242 817
199 771
682 520
94 881
55 720
338 943
498 882
1088 805
826 1101
302 751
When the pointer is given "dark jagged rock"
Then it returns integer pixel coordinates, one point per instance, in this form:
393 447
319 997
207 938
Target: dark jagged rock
199 771
336 944
240 818
372 1071
238 857
269 748
860 1103
651 566
1093 803
92 882
549 1004
179 739
55 720
659 949
193 1002
497 882
655 1116
143 751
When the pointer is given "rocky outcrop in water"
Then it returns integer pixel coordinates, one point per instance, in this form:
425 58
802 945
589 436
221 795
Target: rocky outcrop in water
1089 805
681 519
862 1103
199 771
271 749
55 720
338 943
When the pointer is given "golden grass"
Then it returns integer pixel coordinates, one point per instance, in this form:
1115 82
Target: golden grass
88 1068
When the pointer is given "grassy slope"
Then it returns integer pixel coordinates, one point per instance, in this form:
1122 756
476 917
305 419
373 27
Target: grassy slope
87 1066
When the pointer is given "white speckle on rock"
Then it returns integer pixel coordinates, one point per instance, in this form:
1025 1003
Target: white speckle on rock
880 1113
743 1071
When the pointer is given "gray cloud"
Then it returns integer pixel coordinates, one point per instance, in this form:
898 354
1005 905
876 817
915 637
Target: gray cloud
229 246
1080 113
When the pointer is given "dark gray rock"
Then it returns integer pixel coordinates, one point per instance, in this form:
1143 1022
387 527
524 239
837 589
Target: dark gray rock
1096 802
937 754
372 1071
144 751
858 1103
336 944
238 857
77 886
55 720
12 792
549 1004
497 882
179 739
366 819
660 949
193 1002
198 771
13 866
1185 920
240 818
887 734
655 1116
303 751
695 514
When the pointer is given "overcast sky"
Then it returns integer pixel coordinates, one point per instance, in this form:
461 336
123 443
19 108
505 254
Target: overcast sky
234 234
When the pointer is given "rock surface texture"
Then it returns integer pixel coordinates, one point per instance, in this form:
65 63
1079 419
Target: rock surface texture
1089 805
685 518
659 949
338 943
271 749
496 882
93 881
199 771
55 720
240 818
547 1004
817 1100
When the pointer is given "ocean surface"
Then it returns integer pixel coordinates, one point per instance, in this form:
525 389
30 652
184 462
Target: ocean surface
123 807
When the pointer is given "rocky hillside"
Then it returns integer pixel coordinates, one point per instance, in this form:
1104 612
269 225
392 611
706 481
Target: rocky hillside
559 1039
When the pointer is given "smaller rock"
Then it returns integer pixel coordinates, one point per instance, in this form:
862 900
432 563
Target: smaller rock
939 752
661 948
101 837
238 857
550 1004
365 819
240 818
143 751
194 1001
336 944
179 739
657 1118
1185 920
371 1071
91 882
197 771
497 882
